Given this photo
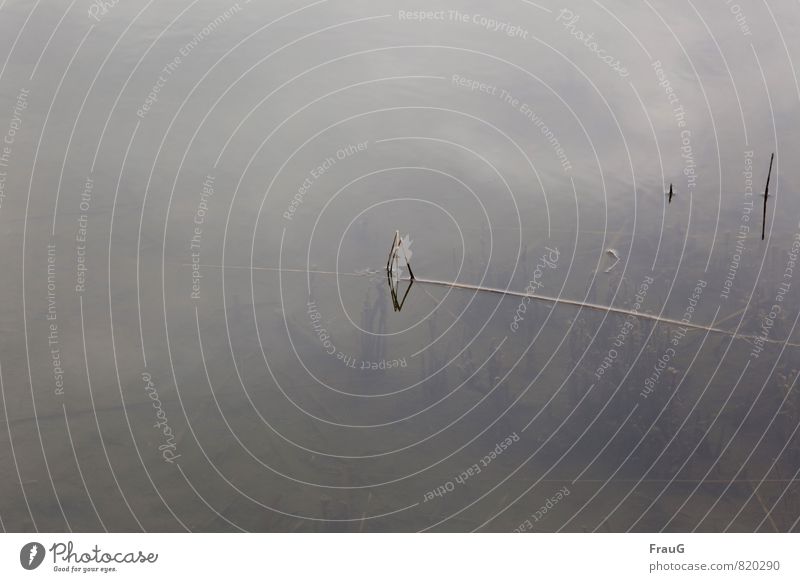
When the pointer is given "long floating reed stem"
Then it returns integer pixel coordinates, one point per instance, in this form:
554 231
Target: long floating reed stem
598 307
511 293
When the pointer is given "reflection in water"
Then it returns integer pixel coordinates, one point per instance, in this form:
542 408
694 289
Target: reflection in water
395 288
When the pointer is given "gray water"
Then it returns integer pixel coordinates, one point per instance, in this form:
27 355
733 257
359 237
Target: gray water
199 198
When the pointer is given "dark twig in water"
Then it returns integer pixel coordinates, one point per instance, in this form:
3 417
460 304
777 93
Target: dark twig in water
766 195
394 266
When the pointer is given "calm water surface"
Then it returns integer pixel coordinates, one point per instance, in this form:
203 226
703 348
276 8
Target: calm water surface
198 200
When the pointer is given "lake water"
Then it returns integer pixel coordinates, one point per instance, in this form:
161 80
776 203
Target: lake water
198 200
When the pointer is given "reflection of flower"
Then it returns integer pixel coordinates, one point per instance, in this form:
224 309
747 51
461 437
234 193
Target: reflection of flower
402 256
